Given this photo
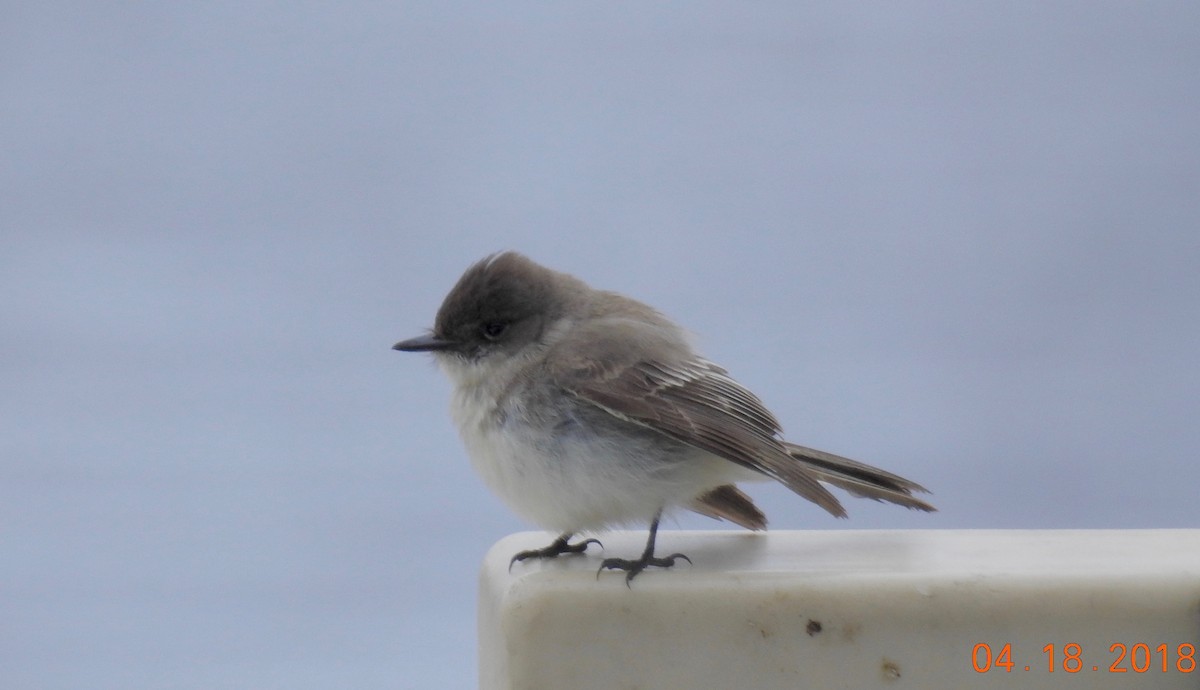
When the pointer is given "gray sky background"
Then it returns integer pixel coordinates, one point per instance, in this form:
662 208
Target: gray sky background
957 240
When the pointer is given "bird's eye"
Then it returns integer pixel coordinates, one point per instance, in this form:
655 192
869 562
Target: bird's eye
494 329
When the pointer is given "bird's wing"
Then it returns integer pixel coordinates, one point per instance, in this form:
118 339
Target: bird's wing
631 374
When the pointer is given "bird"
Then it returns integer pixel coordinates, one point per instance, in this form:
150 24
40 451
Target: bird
586 410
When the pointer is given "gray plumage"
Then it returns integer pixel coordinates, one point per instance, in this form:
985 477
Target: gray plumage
585 409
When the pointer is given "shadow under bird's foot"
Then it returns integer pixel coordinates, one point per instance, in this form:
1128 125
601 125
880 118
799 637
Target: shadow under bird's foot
632 568
557 548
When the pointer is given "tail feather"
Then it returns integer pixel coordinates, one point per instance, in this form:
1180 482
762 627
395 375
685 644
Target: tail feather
859 478
729 503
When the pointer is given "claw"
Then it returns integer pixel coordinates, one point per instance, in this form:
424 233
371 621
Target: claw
633 567
556 548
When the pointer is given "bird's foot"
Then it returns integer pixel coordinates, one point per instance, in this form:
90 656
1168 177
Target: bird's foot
557 548
633 567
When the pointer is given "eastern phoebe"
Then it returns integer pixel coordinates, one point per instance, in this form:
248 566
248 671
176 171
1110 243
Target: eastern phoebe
584 409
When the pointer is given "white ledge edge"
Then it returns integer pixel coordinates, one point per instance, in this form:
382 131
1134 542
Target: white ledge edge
847 609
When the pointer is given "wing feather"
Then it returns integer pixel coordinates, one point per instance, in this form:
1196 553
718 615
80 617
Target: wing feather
686 398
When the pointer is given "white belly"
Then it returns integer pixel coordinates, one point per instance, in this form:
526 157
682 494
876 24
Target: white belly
569 482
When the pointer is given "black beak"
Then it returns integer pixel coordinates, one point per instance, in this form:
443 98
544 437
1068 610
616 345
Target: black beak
425 343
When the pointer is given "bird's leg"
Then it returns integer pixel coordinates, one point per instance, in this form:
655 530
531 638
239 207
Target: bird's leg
632 568
557 548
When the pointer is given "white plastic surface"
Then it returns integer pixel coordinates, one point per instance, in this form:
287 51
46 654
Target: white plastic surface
848 609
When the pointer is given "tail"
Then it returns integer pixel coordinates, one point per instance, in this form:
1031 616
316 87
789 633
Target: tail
729 503
860 479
